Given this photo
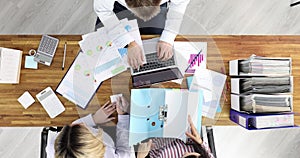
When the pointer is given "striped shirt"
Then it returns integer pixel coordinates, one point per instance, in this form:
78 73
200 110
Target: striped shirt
172 148
169 148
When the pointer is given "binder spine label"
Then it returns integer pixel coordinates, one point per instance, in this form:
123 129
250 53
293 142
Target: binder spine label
242 121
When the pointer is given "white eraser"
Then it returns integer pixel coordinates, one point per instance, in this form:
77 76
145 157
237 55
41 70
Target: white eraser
26 99
113 98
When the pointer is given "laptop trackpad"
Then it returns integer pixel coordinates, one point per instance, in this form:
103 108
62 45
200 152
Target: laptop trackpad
156 77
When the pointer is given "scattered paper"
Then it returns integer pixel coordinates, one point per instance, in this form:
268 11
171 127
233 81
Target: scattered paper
26 99
212 84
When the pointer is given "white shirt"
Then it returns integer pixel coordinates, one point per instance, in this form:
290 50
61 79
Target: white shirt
104 10
120 150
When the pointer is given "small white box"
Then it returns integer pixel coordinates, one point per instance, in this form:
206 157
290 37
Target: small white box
26 99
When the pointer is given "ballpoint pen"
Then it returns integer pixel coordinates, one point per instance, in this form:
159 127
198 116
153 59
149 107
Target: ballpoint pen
64 58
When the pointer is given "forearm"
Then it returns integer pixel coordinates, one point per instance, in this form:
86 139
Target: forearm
87 120
122 140
173 20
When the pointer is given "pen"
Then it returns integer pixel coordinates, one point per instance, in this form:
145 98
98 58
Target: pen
193 60
64 58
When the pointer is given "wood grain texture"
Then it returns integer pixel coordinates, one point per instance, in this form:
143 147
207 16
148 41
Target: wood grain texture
221 49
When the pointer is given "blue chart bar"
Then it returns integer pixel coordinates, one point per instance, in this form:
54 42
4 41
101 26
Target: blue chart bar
107 65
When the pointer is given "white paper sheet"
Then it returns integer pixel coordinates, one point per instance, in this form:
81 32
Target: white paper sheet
212 84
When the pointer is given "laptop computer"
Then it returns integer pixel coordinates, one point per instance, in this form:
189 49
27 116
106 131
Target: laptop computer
155 71
46 50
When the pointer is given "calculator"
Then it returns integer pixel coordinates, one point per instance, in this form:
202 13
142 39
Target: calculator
46 50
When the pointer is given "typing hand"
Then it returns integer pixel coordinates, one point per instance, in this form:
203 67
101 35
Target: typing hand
194 134
164 50
122 106
135 55
144 149
102 115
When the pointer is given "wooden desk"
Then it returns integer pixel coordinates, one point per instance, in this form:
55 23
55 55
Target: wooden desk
230 47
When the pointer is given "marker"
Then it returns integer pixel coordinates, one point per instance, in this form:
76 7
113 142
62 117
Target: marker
64 58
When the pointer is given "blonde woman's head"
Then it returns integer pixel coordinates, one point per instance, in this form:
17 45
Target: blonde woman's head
76 141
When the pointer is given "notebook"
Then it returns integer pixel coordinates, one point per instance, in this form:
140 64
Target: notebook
10 65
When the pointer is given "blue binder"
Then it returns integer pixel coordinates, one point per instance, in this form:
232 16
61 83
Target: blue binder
251 121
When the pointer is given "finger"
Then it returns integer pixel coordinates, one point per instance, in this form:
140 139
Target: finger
123 102
149 144
158 50
131 63
108 106
140 61
119 101
141 57
191 136
167 56
135 63
193 129
170 54
112 108
111 112
161 54
107 103
110 119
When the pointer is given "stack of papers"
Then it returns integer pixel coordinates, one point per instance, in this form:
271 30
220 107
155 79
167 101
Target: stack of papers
258 103
266 66
102 56
103 37
266 85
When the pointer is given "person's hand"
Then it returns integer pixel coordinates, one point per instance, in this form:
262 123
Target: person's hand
135 55
102 115
194 134
144 149
164 50
122 106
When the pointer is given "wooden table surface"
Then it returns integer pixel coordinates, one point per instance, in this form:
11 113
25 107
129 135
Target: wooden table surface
221 49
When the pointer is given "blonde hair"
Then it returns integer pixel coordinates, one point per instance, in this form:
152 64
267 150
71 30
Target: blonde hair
78 142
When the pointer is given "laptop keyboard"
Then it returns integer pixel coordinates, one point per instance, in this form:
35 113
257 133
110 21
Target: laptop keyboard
154 63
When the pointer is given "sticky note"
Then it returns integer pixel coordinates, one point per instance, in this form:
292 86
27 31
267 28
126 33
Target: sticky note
26 99
30 63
